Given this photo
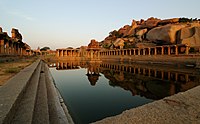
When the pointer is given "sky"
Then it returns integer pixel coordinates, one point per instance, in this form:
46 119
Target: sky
73 23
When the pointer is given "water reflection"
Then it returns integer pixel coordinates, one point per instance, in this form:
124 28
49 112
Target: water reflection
151 81
93 73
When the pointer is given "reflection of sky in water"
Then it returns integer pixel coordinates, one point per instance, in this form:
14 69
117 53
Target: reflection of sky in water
91 103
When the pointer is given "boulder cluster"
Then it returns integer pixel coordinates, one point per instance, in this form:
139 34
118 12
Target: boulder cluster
16 38
155 32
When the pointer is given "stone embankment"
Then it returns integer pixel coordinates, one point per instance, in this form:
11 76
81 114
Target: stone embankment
31 97
182 108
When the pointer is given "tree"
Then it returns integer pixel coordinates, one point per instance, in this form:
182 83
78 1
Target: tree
45 49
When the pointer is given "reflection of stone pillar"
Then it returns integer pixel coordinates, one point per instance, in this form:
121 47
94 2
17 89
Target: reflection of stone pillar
144 71
169 50
172 88
162 75
149 72
2 47
162 50
139 71
155 73
61 65
186 78
176 50
169 76
176 77
57 64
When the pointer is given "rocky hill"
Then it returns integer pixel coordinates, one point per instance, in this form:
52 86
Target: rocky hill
154 32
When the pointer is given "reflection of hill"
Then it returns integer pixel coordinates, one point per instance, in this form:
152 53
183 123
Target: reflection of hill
146 86
148 80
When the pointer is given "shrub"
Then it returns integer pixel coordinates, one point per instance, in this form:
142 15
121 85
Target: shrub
12 70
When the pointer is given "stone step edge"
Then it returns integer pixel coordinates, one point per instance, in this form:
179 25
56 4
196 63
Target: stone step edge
61 109
12 91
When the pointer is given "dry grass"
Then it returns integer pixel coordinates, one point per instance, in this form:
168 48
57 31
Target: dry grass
9 69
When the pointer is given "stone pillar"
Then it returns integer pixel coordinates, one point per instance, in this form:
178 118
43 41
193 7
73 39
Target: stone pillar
134 52
122 52
2 50
144 51
91 55
7 47
71 52
57 53
162 50
187 50
12 49
149 51
21 51
176 50
18 50
130 52
155 51
15 48
65 53
61 53
169 50
138 51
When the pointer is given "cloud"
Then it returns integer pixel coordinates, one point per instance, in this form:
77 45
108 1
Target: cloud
18 14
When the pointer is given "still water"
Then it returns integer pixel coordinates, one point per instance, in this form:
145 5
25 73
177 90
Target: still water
95 91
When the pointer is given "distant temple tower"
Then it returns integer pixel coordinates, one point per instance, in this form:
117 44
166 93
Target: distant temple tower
93 51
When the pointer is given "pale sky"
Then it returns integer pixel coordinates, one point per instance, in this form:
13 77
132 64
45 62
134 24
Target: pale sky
65 23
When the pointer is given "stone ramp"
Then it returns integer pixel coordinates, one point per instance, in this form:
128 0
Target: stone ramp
31 97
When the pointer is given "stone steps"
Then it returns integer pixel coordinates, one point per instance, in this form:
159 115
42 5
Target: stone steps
24 113
41 112
32 98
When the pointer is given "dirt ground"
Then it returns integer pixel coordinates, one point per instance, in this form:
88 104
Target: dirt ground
9 69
